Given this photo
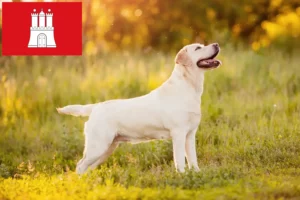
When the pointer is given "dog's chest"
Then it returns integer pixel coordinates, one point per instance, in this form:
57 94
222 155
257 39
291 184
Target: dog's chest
185 115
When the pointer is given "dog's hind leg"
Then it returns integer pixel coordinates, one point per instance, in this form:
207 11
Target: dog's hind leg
104 156
97 144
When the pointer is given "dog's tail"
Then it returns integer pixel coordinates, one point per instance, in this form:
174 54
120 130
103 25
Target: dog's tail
77 110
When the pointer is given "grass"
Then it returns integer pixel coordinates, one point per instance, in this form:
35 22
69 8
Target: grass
248 143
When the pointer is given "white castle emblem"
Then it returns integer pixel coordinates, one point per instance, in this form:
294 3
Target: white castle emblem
41 35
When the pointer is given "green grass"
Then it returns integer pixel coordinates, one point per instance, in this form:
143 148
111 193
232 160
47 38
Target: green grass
248 143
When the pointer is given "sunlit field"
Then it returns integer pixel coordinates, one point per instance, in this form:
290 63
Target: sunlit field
248 142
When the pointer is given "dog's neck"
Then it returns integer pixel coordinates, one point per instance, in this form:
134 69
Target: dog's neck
183 87
181 75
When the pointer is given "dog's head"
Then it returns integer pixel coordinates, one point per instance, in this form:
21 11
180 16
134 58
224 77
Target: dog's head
198 56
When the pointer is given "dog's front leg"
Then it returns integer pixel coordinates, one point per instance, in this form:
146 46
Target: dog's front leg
190 150
178 139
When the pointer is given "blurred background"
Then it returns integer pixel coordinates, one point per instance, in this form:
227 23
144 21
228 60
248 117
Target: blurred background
110 25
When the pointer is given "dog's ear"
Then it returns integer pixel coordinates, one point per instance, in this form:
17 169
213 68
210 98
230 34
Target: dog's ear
183 58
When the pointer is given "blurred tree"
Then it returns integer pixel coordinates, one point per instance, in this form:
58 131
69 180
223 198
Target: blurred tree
117 24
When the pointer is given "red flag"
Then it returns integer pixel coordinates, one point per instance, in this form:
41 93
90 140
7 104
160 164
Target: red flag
49 28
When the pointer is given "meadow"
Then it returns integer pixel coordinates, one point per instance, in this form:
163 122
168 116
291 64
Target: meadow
248 142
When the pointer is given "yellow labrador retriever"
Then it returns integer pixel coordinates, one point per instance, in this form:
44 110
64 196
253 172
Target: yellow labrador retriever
172 111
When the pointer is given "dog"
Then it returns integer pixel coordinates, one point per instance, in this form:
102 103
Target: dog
171 111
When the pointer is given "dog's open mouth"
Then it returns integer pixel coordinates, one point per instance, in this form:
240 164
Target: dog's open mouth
210 62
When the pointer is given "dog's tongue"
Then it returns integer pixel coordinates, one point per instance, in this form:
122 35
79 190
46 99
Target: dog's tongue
209 62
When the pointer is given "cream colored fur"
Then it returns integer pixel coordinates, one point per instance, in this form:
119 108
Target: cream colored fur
172 111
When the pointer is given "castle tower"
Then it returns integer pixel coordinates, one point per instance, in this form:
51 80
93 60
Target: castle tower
42 19
49 19
34 19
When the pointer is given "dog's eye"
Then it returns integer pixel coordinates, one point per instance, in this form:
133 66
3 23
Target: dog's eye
197 48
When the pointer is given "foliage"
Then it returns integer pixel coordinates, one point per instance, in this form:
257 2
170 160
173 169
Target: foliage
70 186
247 143
117 24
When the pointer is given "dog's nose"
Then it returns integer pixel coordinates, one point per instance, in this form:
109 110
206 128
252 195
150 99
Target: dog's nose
216 45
